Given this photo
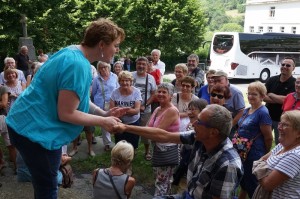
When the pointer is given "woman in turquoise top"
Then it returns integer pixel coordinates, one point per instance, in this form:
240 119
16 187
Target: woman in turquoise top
52 111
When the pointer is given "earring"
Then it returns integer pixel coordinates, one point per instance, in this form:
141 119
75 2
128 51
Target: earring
102 54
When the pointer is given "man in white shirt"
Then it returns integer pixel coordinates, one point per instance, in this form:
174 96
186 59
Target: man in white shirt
161 66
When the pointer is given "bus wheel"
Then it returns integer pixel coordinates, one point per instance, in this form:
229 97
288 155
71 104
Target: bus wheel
264 75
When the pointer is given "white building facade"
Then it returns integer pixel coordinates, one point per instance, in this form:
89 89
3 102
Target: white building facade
272 16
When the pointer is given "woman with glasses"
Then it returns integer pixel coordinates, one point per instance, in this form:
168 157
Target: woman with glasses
183 98
256 125
292 100
219 94
284 159
204 91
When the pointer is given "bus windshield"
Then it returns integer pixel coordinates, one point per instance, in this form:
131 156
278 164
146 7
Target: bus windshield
222 43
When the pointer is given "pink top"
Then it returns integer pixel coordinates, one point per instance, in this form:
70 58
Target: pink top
155 120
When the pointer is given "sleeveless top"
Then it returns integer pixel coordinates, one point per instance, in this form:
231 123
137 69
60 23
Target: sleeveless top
156 120
103 187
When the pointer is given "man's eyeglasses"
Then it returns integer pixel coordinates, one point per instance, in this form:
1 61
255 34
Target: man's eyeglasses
201 123
286 65
218 95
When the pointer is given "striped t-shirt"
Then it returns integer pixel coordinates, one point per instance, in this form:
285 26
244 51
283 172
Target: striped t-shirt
287 163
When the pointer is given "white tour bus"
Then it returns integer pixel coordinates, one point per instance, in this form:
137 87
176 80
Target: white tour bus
253 56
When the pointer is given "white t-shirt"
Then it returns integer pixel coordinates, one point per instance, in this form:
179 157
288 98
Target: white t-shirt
140 83
289 164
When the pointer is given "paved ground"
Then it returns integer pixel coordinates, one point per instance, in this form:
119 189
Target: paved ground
81 189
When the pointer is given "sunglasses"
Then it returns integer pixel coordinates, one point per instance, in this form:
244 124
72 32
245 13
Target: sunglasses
201 123
286 65
218 95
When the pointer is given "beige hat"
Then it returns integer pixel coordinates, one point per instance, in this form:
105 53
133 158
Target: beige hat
220 73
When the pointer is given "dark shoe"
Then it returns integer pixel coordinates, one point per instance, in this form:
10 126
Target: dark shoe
78 141
94 141
106 148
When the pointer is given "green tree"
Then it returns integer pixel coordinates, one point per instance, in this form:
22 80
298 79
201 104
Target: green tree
231 27
175 27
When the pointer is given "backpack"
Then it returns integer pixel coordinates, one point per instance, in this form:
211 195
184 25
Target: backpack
67 174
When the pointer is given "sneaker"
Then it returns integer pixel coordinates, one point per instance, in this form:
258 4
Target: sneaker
92 154
94 141
73 152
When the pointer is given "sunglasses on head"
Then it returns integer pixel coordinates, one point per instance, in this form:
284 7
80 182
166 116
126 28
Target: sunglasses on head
218 95
286 65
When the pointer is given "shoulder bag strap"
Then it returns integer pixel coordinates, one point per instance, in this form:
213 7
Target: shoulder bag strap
146 91
113 184
102 91
177 99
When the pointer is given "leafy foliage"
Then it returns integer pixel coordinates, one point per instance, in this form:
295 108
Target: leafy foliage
148 24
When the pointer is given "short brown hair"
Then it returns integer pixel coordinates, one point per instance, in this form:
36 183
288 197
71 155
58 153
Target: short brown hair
189 79
102 30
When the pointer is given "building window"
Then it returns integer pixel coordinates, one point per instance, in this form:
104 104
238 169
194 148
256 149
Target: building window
272 11
270 29
281 29
251 29
260 29
294 30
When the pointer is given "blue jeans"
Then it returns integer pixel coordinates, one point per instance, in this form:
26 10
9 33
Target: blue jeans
275 128
43 165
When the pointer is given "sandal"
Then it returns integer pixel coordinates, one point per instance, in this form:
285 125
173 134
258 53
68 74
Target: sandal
148 156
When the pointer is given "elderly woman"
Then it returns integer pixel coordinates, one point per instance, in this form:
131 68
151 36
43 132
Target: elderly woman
219 94
118 67
121 157
183 98
292 102
166 117
204 91
15 87
102 88
181 70
127 96
284 159
255 125
34 68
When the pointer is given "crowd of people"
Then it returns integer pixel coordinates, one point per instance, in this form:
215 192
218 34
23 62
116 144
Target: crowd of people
203 132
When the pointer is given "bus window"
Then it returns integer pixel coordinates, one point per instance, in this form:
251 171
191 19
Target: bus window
222 43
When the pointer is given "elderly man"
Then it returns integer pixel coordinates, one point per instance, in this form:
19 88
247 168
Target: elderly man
235 104
157 63
22 60
195 71
147 85
277 89
9 62
215 169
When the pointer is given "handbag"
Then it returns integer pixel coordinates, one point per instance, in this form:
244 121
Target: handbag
242 144
168 156
67 173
